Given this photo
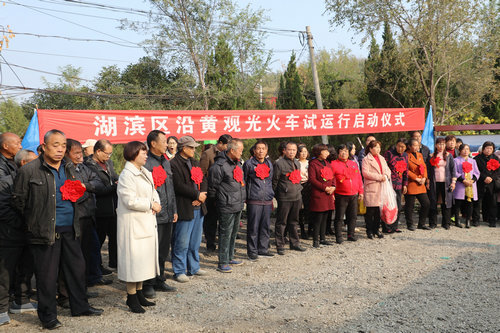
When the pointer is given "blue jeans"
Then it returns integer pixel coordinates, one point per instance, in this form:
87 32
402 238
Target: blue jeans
229 225
187 239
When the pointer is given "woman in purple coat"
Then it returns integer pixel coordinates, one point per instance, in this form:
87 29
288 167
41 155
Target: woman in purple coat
465 191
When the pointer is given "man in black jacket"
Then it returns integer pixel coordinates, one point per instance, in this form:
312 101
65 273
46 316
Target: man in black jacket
12 239
106 199
88 235
53 229
163 178
287 190
190 194
226 185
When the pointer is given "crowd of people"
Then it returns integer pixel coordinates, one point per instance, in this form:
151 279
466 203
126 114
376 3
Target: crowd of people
58 207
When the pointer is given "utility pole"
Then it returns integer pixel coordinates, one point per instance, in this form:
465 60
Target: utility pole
319 101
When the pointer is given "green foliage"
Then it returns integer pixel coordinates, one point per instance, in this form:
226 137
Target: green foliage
291 95
12 118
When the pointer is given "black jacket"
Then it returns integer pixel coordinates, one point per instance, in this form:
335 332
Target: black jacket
106 198
186 191
93 184
258 189
482 161
34 197
284 189
11 224
166 190
229 194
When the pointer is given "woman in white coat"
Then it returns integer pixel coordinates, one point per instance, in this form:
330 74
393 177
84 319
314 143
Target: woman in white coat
137 239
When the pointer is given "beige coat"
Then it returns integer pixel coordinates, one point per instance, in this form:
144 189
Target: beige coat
373 178
137 237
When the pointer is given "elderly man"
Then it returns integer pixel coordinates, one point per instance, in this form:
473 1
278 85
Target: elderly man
163 178
12 240
287 190
207 159
226 185
53 229
106 199
190 194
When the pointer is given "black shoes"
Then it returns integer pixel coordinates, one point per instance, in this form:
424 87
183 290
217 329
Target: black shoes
369 235
446 226
459 225
52 325
133 304
411 227
325 242
339 240
142 300
379 234
316 244
266 254
148 291
298 248
467 224
253 257
351 238
423 227
105 271
90 312
163 287
281 252
101 282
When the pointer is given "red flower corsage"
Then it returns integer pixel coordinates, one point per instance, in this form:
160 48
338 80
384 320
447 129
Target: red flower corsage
326 174
294 176
466 167
262 171
72 190
421 169
435 161
400 166
492 165
159 176
197 176
238 175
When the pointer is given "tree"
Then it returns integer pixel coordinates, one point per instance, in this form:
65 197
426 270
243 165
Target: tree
12 118
441 38
291 95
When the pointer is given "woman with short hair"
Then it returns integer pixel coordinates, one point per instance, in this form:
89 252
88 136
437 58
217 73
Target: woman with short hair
137 239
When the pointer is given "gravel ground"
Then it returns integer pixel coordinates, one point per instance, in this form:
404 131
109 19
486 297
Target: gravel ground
421 281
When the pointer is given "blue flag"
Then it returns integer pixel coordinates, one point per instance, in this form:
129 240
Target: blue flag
428 135
31 139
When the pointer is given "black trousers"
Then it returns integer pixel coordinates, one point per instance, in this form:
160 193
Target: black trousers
18 262
210 224
345 205
4 286
106 226
164 243
91 250
446 212
319 221
463 206
287 219
67 254
423 199
259 221
488 205
372 220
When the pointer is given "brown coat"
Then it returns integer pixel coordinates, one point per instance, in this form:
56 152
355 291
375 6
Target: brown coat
207 159
414 172
373 179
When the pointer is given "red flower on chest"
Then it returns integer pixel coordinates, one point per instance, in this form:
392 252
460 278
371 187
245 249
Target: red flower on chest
492 165
262 171
72 190
400 166
159 176
466 167
421 169
197 176
238 175
294 176
327 173
435 161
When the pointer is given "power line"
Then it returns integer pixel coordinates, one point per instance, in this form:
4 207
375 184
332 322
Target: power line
13 71
77 24
41 71
72 38
66 55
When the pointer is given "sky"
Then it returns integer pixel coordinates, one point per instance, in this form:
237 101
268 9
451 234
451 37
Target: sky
32 58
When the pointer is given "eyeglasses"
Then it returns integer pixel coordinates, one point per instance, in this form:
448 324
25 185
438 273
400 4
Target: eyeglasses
107 154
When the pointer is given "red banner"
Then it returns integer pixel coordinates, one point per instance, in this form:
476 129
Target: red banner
120 126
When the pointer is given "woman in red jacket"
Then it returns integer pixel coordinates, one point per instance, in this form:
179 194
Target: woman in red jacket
348 187
322 187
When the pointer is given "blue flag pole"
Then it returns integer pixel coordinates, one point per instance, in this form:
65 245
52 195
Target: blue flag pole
428 135
31 138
